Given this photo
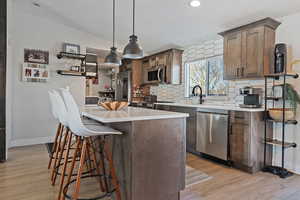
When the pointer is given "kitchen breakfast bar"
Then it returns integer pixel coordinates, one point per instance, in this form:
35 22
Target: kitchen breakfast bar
150 155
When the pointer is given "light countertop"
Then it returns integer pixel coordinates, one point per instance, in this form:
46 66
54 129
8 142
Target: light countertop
215 106
128 114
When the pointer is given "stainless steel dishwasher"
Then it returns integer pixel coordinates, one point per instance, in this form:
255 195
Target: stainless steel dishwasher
212 133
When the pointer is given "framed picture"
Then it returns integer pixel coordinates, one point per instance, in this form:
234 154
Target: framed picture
36 56
71 48
35 72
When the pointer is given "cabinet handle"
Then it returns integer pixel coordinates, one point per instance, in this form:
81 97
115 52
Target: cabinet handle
238 71
242 71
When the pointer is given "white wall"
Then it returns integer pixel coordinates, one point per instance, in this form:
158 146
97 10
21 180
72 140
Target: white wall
289 32
29 118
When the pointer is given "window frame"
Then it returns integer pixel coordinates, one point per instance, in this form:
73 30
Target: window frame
187 79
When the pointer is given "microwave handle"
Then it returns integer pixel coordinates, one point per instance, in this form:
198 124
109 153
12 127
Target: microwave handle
158 74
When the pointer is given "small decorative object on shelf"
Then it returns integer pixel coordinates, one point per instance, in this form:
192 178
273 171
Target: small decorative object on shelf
75 68
284 115
33 72
71 48
280 54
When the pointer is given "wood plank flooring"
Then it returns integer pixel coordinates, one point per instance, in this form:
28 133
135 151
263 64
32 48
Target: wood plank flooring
25 177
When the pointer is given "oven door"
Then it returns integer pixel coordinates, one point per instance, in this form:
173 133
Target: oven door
156 75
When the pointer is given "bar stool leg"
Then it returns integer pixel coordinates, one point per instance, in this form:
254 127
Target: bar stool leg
62 178
62 149
81 166
94 158
54 145
58 147
71 169
112 172
88 159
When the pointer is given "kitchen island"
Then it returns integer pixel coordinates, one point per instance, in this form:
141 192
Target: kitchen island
150 155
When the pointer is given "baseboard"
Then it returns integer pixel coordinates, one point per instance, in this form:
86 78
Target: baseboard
32 141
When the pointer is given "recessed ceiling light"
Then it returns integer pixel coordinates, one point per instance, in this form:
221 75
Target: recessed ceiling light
36 4
195 3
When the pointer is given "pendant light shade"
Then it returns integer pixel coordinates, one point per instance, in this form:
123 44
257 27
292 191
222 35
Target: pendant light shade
112 58
132 49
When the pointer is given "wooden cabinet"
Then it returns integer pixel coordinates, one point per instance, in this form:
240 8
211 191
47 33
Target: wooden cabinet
232 55
170 60
246 146
248 50
173 66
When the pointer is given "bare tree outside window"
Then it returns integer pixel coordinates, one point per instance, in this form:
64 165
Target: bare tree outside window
208 73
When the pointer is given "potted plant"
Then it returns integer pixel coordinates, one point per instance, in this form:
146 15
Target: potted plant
293 98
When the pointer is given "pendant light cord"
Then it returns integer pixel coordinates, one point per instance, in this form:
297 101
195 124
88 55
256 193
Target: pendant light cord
114 21
133 17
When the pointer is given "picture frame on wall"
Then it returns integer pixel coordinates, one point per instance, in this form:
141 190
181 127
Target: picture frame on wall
36 56
33 72
71 48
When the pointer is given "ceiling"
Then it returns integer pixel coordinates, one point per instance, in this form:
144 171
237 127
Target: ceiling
163 23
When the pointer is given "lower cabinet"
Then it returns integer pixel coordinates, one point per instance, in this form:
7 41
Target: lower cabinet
246 136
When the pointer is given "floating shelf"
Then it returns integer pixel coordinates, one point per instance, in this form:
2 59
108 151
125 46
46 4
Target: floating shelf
273 98
294 75
71 56
279 143
69 73
294 122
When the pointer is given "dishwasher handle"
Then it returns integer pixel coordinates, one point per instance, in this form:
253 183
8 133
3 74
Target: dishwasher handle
210 128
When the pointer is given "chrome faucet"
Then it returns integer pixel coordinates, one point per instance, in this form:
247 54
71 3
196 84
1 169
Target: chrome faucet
201 94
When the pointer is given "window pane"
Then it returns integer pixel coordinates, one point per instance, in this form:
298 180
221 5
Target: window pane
197 75
217 85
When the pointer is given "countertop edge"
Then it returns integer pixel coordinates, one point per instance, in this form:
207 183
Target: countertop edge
218 107
114 120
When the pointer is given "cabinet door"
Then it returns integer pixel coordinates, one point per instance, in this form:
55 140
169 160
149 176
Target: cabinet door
173 66
232 55
253 53
145 66
240 139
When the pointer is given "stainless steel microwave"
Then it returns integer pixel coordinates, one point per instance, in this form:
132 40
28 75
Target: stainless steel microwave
155 75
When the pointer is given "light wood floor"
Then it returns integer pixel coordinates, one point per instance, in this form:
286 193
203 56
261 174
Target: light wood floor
25 177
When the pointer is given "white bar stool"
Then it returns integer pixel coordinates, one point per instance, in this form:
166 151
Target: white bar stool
84 145
60 113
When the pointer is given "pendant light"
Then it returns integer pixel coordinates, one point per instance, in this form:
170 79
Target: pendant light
112 57
133 50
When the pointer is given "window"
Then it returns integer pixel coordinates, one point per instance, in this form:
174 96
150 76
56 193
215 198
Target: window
208 73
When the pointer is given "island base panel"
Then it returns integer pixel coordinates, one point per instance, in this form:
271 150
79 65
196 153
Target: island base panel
150 158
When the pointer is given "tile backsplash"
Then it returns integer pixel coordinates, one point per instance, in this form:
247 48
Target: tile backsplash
211 48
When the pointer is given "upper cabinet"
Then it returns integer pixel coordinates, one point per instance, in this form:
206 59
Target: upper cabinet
248 50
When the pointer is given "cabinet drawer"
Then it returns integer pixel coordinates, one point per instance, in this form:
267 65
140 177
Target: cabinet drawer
240 117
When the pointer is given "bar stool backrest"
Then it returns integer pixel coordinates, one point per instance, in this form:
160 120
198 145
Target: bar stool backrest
75 122
59 107
53 110
73 114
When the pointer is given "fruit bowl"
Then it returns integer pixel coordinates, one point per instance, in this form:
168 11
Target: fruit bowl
277 114
115 105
